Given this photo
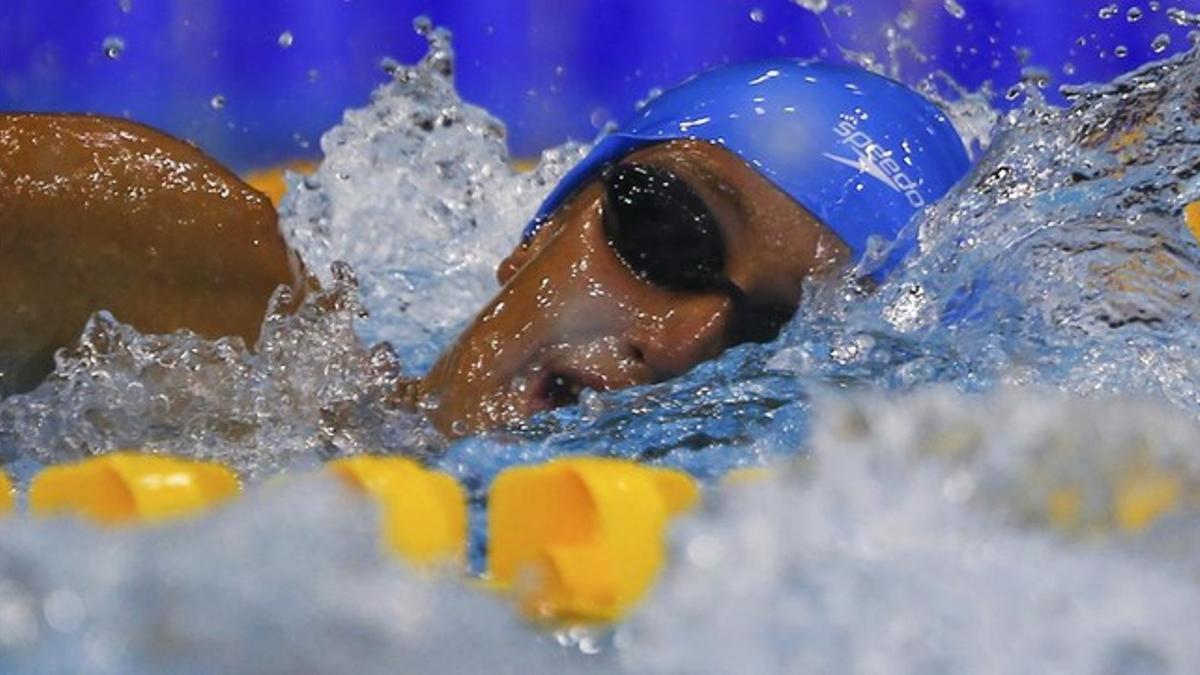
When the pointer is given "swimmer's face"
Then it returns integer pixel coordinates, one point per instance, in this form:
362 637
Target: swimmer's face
590 304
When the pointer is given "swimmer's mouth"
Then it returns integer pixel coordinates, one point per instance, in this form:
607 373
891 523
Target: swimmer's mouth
559 387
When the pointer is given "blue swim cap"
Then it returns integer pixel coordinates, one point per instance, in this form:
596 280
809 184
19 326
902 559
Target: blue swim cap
859 151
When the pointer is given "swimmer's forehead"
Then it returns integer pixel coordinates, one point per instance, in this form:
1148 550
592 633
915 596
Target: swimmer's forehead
701 164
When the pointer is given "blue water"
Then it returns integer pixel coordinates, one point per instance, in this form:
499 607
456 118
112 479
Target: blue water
1041 337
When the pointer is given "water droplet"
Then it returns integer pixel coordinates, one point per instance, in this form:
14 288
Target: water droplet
423 25
599 117
1108 12
1182 17
113 46
956 10
1120 51
64 611
217 102
1036 76
907 19
1155 6
1134 14
654 93
286 39
389 65
814 6
757 15
1160 43
845 11
126 6
1068 68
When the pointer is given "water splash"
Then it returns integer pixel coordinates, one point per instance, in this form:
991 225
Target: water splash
873 558
77 599
311 390
420 146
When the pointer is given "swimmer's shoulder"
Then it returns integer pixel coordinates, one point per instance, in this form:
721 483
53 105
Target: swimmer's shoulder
102 153
104 213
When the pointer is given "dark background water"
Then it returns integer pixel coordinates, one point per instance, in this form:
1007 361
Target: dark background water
551 69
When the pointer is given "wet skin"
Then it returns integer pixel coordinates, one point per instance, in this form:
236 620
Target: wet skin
99 213
572 315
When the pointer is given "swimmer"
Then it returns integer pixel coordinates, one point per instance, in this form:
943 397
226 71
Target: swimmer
688 230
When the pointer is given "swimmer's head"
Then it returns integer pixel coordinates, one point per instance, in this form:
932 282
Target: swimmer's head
692 228
858 151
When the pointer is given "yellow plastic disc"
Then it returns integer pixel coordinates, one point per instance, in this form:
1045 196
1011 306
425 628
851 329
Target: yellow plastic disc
1191 215
125 487
6 494
582 537
271 181
424 512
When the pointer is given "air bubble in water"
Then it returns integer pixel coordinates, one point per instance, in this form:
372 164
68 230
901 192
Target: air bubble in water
956 10
907 19
1068 68
1160 43
113 47
1120 51
844 11
126 6
1134 14
217 102
1108 11
757 15
286 39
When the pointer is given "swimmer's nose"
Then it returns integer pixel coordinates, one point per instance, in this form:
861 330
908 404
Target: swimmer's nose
689 334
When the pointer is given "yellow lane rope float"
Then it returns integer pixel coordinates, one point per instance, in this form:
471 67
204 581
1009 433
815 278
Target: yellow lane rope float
1191 215
581 538
124 487
423 513
271 182
6 494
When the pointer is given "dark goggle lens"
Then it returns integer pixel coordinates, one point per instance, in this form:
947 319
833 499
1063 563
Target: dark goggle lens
663 232
661 229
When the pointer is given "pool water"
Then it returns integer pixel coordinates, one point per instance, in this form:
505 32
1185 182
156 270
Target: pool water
1039 348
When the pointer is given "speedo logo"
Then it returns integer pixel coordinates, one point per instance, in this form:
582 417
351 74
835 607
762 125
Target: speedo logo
870 158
